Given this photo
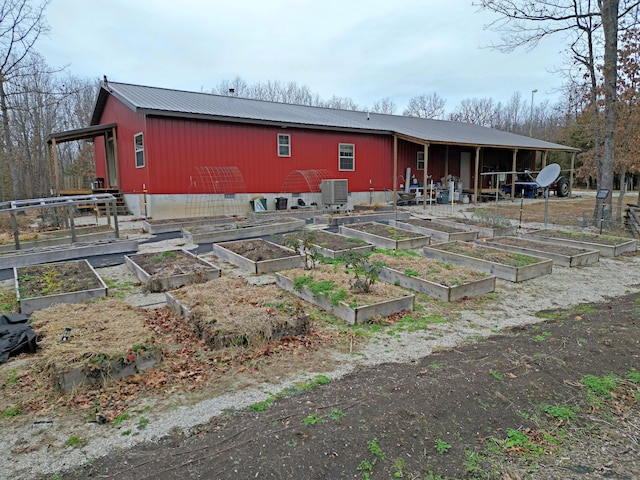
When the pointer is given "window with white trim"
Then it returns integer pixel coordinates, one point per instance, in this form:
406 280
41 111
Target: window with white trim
138 142
284 145
420 161
346 157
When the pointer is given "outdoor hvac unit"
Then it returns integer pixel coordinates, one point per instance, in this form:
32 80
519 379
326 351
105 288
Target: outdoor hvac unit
334 192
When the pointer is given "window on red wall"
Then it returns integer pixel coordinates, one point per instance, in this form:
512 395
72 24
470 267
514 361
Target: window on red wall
138 142
420 161
284 145
346 157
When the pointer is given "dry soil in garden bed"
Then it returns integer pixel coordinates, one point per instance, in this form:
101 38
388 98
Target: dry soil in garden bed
385 231
339 282
416 265
489 254
537 245
332 241
56 278
168 263
581 237
258 250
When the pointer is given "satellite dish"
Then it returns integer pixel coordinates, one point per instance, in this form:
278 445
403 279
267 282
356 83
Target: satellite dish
548 175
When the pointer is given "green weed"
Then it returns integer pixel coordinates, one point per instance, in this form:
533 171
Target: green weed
601 386
336 414
560 412
441 446
313 419
496 375
76 442
121 418
11 412
374 448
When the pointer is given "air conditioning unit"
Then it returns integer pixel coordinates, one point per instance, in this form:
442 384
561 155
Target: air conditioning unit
335 192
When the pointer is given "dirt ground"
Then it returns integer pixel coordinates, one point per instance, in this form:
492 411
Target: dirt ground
556 400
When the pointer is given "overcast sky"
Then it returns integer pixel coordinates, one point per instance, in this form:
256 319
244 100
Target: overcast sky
363 49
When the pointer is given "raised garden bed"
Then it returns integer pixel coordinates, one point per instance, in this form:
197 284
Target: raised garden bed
40 286
331 290
53 238
36 256
229 312
177 224
560 254
170 269
333 245
241 230
484 230
437 231
385 236
606 245
258 256
437 279
91 344
515 267
347 219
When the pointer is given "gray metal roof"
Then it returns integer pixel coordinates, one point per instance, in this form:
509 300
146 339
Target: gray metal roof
160 101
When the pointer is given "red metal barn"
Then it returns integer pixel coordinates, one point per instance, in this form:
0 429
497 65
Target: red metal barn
163 151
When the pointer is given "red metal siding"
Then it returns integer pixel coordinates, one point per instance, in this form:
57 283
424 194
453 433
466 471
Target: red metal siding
175 147
129 123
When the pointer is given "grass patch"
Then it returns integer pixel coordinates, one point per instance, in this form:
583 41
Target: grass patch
76 442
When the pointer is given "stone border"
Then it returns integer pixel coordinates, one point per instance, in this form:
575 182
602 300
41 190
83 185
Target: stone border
262 266
438 290
605 250
29 305
349 314
580 256
385 242
241 233
162 283
506 272
435 234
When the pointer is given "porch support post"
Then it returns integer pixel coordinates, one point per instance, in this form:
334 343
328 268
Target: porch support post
115 158
475 178
513 175
573 164
544 159
425 176
395 171
56 168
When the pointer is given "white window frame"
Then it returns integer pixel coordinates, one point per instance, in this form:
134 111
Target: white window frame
345 156
139 150
281 144
420 161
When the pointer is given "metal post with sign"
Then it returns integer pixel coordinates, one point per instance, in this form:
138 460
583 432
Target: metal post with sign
603 196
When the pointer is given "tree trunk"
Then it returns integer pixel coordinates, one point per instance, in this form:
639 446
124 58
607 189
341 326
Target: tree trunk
6 140
609 15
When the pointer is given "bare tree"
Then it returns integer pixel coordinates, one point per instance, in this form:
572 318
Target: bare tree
21 25
586 24
426 106
479 111
386 105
